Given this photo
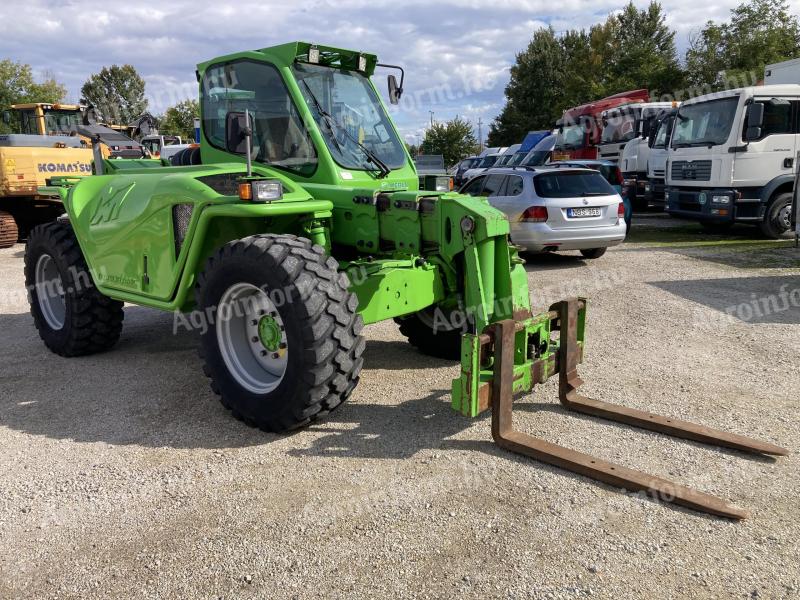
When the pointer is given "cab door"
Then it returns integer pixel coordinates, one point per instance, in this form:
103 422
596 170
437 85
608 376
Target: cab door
773 153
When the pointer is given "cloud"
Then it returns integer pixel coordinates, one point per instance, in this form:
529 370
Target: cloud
456 53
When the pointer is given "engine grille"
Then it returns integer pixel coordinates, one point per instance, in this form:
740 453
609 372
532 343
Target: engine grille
181 216
694 170
658 173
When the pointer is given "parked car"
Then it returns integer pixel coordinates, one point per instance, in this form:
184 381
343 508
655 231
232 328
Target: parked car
507 155
555 209
540 154
463 167
613 175
486 162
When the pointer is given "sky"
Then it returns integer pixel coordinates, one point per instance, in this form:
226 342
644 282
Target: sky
456 53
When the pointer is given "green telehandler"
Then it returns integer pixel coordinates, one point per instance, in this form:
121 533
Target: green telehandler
297 220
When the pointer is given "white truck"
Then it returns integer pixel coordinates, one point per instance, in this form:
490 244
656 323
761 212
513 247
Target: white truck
658 150
784 72
732 158
625 123
634 154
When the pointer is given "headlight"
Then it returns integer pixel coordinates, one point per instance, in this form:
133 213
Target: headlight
443 184
265 190
721 199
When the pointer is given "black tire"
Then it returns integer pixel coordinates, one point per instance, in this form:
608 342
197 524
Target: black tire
9 232
424 332
593 253
777 217
716 228
186 157
92 322
319 318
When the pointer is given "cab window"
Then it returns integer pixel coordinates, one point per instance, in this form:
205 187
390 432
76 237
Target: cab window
777 117
280 138
27 122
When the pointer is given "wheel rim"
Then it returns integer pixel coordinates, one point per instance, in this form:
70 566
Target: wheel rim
252 338
50 292
785 217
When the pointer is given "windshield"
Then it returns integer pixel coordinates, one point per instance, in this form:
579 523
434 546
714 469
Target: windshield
571 137
486 162
61 122
619 127
503 160
516 159
358 117
705 123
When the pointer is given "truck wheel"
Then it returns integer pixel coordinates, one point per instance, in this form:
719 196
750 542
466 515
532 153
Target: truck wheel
9 233
434 334
593 252
778 217
73 318
283 346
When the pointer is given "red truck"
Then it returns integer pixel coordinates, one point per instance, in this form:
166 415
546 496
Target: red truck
580 127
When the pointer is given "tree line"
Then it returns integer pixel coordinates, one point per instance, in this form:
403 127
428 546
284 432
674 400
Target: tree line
116 92
636 49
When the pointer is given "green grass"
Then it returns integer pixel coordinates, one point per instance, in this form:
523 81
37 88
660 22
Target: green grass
741 247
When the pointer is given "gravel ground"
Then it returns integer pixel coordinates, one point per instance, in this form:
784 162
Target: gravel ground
121 475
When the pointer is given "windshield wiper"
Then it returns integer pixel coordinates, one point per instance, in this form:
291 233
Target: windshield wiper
383 169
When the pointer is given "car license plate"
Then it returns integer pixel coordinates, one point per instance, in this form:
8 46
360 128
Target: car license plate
583 212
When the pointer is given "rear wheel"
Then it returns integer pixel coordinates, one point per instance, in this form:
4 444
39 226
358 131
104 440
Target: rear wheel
72 317
284 346
593 252
434 332
778 216
9 232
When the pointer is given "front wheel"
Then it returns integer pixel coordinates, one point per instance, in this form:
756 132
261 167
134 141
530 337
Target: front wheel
778 217
73 318
283 346
593 253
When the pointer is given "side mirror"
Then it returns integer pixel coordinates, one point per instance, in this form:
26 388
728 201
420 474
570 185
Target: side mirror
395 91
238 133
647 127
755 119
7 117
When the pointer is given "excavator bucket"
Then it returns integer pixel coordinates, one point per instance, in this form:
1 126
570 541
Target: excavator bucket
501 341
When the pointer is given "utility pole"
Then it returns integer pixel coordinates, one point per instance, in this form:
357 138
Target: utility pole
430 111
480 135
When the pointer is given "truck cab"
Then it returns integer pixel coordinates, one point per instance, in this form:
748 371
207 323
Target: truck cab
658 144
580 128
732 158
625 138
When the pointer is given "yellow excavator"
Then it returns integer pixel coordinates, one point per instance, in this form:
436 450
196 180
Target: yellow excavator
53 141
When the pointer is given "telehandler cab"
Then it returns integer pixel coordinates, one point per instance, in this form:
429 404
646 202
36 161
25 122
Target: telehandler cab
299 220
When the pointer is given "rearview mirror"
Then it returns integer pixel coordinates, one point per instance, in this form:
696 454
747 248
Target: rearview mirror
395 91
238 133
755 119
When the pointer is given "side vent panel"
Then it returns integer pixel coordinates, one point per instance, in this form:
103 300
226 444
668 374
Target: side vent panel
181 216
